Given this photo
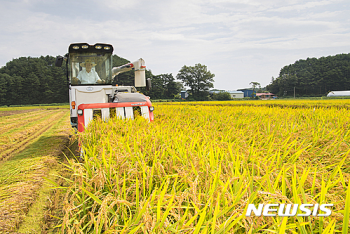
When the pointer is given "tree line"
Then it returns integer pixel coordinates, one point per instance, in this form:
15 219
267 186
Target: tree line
33 81
29 80
164 86
313 77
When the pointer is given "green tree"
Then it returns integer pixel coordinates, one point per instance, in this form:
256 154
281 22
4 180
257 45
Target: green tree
157 89
3 88
180 86
313 77
255 85
15 91
34 80
170 86
221 96
163 86
198 78
125 78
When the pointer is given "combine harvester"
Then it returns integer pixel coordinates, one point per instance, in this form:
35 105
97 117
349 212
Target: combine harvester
90 76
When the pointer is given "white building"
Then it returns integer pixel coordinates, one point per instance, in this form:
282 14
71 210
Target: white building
338 93
236 94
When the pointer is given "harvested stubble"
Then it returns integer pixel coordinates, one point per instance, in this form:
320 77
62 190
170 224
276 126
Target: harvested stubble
23 130
195 169
22 175
3 112
18 115
17 122
18 190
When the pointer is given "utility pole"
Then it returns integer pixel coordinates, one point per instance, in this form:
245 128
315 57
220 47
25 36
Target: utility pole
294 92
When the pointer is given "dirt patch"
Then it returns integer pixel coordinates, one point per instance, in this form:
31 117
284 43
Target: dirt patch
15 112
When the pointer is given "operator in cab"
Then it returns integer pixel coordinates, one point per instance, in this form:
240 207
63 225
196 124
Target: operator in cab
87 75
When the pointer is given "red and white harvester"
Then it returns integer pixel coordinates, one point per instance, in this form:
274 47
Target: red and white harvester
97 96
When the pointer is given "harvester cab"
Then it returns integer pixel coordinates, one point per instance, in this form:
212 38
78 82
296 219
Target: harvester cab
90 74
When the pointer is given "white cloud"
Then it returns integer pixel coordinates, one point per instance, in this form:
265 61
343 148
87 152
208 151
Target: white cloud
302 5
239 41
118 4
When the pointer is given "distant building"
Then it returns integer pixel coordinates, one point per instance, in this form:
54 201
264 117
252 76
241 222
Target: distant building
247 92
236 94
265 95
216 91
338 93
184 94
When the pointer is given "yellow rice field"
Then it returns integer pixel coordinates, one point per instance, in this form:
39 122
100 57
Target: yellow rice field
196 168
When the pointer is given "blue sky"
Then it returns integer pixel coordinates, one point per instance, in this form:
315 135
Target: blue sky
240 41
